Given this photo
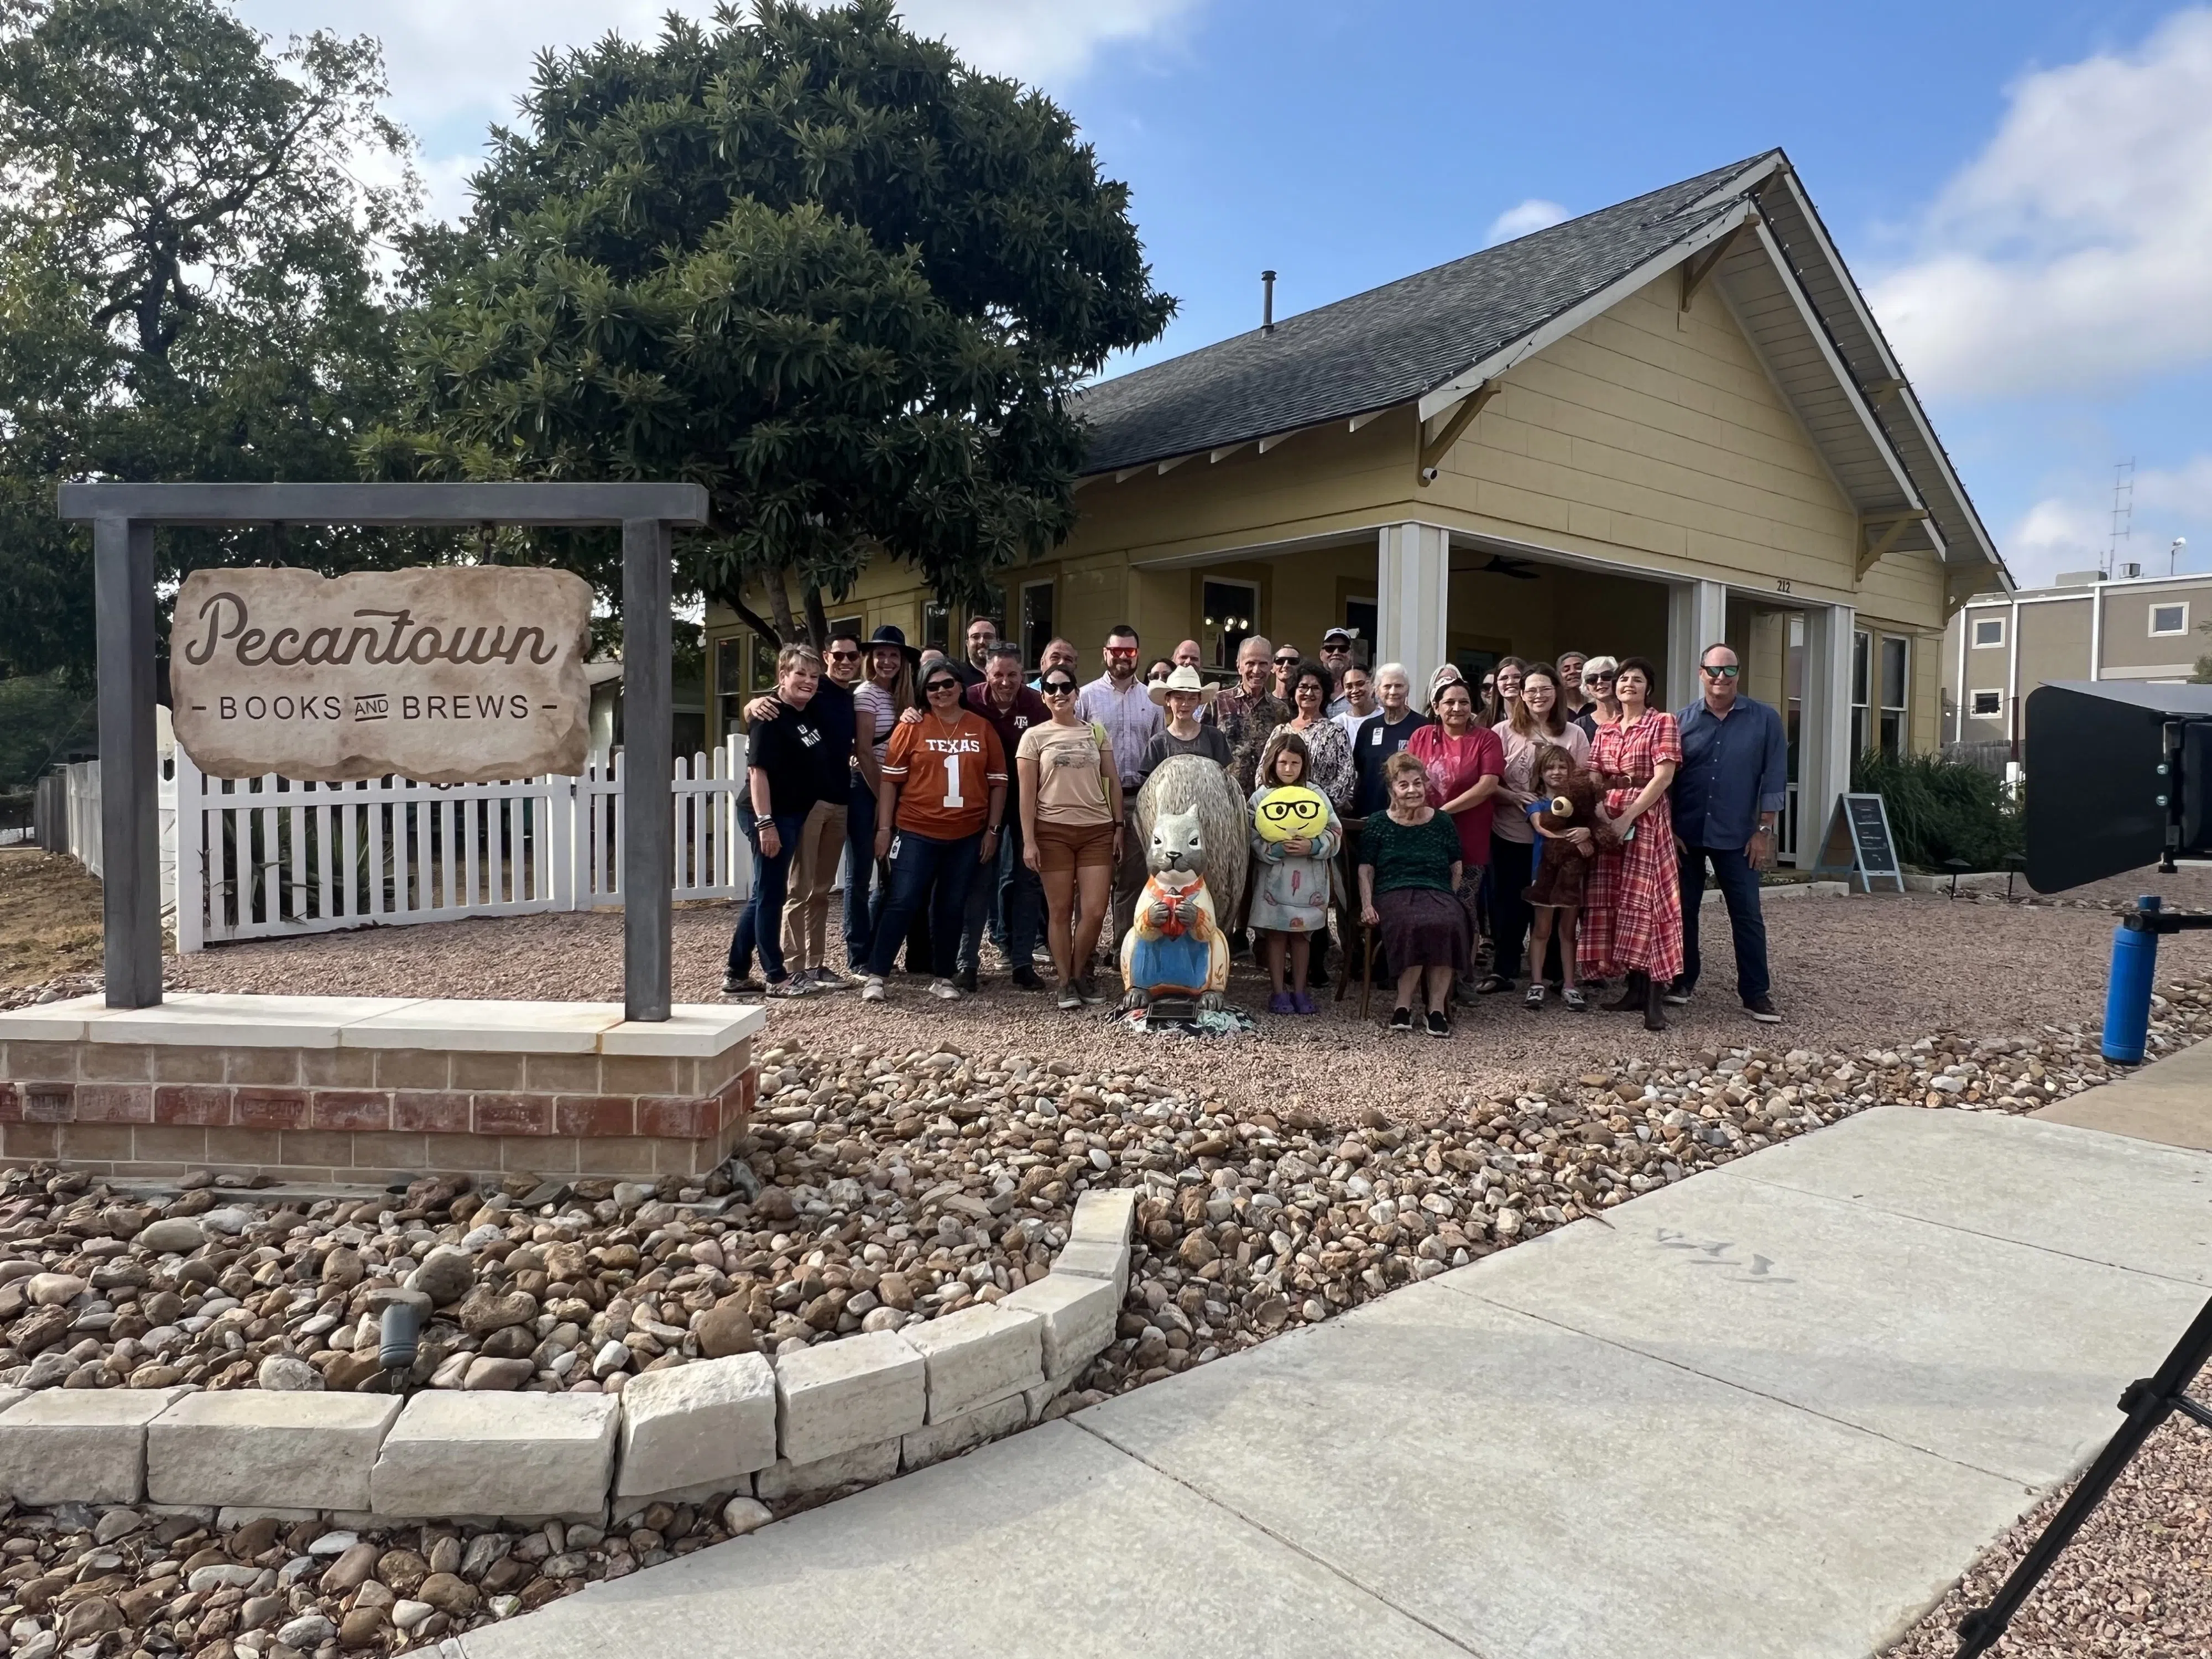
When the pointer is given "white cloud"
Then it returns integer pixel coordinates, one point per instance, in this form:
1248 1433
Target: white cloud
2074 253
1535 214
2058 533
459 66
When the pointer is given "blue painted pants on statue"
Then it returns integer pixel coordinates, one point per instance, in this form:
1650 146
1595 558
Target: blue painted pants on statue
760 925
918 864
1738 885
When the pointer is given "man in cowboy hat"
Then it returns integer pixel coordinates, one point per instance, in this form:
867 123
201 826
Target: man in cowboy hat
1183 695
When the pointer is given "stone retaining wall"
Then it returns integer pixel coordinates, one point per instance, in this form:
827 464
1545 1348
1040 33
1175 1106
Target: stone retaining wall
361 1096
852 1411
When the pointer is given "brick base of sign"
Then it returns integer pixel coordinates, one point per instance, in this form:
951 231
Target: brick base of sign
353 1114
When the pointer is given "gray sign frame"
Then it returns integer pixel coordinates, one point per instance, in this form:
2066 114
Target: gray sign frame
123 517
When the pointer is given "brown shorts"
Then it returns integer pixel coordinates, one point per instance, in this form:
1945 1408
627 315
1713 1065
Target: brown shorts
1075 847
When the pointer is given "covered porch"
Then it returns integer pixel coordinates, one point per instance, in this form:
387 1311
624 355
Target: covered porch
1424 594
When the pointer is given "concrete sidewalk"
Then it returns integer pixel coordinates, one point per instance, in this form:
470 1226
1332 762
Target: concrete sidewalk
1772 1411
2168 1101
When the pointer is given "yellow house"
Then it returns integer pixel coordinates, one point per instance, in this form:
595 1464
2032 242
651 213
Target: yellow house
1664 423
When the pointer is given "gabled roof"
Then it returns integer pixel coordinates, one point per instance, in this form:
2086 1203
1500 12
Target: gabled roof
1430 337
1391 345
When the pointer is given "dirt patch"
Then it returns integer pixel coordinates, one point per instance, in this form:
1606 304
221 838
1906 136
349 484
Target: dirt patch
49 917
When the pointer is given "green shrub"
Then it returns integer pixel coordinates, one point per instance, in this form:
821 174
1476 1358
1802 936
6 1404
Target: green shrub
1940 809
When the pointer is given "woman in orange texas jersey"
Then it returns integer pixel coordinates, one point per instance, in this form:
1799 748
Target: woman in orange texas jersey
942 801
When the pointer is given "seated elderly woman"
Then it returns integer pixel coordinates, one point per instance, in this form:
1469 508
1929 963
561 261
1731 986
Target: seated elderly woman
1409 873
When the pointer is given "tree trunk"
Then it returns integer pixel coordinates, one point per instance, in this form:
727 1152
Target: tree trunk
817 620
779 606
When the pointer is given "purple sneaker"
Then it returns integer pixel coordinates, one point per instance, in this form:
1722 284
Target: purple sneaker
1282 1003
1303 1004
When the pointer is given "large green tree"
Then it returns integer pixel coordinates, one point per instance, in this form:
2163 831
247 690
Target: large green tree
189 282
808 260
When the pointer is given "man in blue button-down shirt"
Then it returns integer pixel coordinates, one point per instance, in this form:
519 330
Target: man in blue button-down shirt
1726 796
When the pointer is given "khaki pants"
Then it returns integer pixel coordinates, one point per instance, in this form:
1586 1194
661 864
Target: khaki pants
813 871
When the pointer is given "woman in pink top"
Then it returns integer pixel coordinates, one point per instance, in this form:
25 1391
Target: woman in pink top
1533 718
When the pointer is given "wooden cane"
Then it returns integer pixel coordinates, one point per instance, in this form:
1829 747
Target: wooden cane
1367 969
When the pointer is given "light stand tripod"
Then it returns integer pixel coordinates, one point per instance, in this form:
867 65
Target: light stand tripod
2148 1403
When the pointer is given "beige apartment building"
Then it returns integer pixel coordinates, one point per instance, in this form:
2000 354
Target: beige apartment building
1664 423
2086 626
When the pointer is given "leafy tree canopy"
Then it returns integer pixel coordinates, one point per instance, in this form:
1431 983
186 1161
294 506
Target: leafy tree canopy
807 260
189 283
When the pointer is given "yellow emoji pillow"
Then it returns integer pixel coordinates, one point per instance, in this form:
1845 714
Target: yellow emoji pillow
1291 812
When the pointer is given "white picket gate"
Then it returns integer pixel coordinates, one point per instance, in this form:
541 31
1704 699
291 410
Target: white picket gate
277 856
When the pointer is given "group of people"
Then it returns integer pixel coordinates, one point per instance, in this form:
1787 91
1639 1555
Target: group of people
1552 815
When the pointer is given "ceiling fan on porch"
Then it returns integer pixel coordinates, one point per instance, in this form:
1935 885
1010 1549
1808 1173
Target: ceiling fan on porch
1500 564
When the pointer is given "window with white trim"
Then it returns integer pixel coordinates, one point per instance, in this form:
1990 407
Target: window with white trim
1988 705
2169 619
1989 631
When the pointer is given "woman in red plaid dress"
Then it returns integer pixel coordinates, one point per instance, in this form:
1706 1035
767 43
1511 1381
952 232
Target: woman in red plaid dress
1633 907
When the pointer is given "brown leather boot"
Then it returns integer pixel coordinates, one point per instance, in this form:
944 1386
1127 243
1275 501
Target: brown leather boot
1654 1006
1634 990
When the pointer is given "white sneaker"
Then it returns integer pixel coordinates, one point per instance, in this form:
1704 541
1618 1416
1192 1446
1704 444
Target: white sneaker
872 989
944 990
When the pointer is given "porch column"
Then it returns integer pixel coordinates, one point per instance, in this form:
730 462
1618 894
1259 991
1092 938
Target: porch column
1413 582
1697 616
1824 768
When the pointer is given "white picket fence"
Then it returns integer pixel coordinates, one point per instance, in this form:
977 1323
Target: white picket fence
274 856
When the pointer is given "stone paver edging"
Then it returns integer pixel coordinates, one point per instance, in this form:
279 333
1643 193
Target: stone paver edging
837 1414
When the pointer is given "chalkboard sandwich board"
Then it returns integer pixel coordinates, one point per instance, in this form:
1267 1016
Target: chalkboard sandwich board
1858 843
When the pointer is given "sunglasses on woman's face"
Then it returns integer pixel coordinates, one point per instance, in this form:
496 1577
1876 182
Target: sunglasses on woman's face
1058 688
936 686
1597 679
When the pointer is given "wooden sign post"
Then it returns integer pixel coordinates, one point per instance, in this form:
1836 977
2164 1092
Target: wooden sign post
1858 843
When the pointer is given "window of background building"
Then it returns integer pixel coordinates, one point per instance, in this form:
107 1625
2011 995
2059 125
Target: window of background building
2169 619
991 606
1230 611
936 628
744 665
1988 631
1988 705
1036 620
856 626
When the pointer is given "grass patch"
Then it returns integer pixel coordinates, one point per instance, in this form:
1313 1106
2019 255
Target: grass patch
49 917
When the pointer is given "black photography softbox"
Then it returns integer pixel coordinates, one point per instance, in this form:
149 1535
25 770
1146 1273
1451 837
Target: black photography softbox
2099 803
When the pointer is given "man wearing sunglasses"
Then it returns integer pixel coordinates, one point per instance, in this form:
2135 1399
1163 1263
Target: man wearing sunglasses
1121 702
1726 798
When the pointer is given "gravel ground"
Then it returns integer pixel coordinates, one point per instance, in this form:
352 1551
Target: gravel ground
928 1154
2135 1584
1848 974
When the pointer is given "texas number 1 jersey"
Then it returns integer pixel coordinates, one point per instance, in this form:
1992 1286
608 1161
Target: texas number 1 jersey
945 773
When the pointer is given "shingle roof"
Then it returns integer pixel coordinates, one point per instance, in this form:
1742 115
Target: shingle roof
1390 345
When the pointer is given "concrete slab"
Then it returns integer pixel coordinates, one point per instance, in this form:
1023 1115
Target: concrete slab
1531 1492
1050 1543
2100 1197
2168 1101
1993 1354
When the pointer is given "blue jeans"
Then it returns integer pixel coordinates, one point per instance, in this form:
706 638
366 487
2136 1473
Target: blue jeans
1739 884
760 925
917 865
1019 890
860 876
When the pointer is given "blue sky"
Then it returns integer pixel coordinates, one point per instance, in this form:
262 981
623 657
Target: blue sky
2024 189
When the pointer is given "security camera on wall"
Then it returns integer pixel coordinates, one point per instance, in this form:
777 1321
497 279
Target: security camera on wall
1429 475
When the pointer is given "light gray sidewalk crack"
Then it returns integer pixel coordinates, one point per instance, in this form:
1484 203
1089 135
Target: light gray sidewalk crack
1290 1544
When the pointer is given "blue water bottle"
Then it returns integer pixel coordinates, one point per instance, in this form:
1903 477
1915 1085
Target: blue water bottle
2127 999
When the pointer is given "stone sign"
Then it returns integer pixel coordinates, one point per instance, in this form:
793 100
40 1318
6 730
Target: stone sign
444 674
